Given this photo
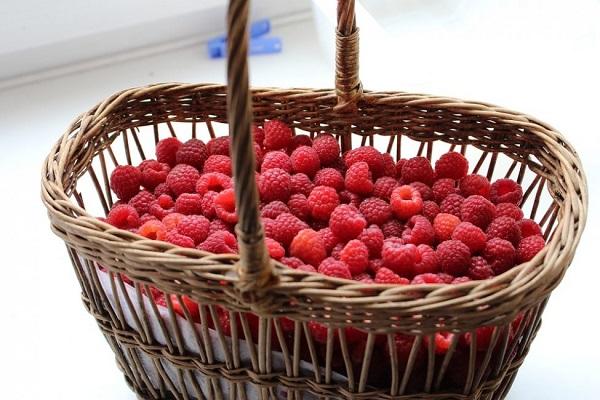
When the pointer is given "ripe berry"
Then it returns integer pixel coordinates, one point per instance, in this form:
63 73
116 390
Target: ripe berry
375 265
392 228
480 269
387 276
141 201
330 177
166 150
350 198
500 254
477 210
286 226
451 165
504 228
424 190
322 201
161 189
427 278
400 258
153 229
305 160
389 165
475 185
276 250
277 135
182 179
327 148
276 159
399 165
454 257
208 204
218 163
427 260
172 220
298 141
452 204
358 179
363 278
258 134
406 201
346 222
273 209
123 216
356 256
430 210
418 231
298 205
193 152
442 188
188 204
470 235
178 239
376 211
162 206
274 184
217 225
213 181
384 187
153 173
417 169
529 227
529 247
195 227
506 191
225 206
318 331
366 154
509 210
300 183
444 225
335 268
292 262
125 181
218 146
220 242
373 238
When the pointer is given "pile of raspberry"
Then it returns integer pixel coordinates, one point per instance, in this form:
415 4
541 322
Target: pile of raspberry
358 215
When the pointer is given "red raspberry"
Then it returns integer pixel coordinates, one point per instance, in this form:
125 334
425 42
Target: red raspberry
286 227
356 255
350 198
153 229
384 187
225 206
406 201
195 227
276 250
125 181
442 188
178 239
427 278
305 160
327 148
330 177
298 205
424 190
301 183
318 331
208 204
188 204
504 228
346 222
193 152
298 141
218 146
387 276
509 210
336 269
375 265
358 179
500 254
483 335
389 165
258 155
442 341
218 163
337 249
367 154
141 201
153 173
220 242
214 181
182 179
399 165
454 257
506 191
529 227
470 235
452 204
451 165
162 206
400 258
430 210
529 247
373 238
306 268
417 169
447 278
292 262
166 150
418 231
427 260
480 269
172 220
258 134
475 184
161 189
392 228
277 135
276 159
123 216
219 225
328 238
477 210
375 210
147 217
322 201
274 184
273 209
363 278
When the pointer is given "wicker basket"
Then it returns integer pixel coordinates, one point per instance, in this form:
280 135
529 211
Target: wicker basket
163 355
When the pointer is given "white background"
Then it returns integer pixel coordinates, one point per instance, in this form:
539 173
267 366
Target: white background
539 57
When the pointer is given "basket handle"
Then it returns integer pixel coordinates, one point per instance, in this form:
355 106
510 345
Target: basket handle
255 270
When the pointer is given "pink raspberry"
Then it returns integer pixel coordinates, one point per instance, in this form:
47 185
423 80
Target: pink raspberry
430 210
258 155
368 155
529 227
506 191
258 134
292 262
276 159
298 141
461 279
277 135
172 220
274 184
529 247
447 278
162 206
305 160
123 216
286 227
400 258
322 201
182 179
193 152
218 163
300 183
220 242
358 179
500 254
218 146
152 229
442 188
141 201
417 169
470 235
161 189
213 181
477 210
399 165
147 217
427 278
406 201
225 206
384 187
346 222
337 249
273 209
330 177
276 250
195 227
375 210
336 269
424 190
452 204
504 228
454 257
389 165
306 268
217 225
153 173
327 148
356 256
387 276
418 231
208 204
373 238
178 239
509 210
375 265
363 278
166 151
298 205
480 269
392 228
125 181
350 198
188 204
475 184
451 165
427 260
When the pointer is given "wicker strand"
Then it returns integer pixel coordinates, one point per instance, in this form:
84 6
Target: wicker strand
348 86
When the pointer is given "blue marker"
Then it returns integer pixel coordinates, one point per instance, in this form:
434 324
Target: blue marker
257 29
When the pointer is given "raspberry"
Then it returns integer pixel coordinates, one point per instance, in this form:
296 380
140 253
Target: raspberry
454 257
427 278
480 269
500 254
367 154
483 335
346 222
387 276
189 203
298 205
328 238
350 198
337 249
193 152
214 181
286 227
399 165
336 269
182 179
327 148
273 209
306 268
301 183
318 331
178 239
442 341
225 206
123 216
451 165
475 185
363 278
162 206
356 256
477 210
470 235
417 169
153 229
406 201
172 220
153 173
418 231
277 135
504 228
274 184
529 247
376 211
161 189
305 160
509 210
529 227
292 262
218 163
452 204
373 238
141 201
166 151
442 188
358 179
147 217
384 187
258 154
195 227
220 242
392 228
506 191
218 225
125 181
276 250
330 177
375 265
389 165
427 260
218 146
322 201
424 190
430 210
447 278
258 134
460 279
398 257
208 204
298 141
276 159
